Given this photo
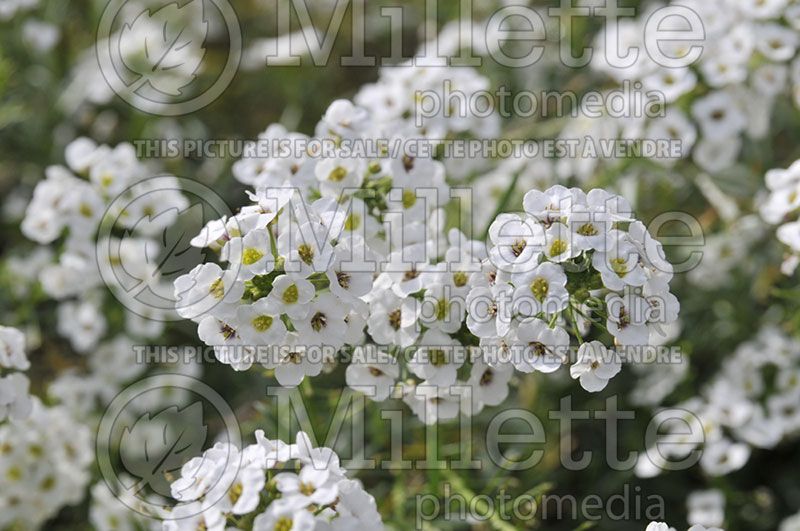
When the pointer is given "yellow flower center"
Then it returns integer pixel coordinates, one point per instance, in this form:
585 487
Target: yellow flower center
306 253
437 357
352 222
291 294
409 198
619 266
558 247
217 289
539 288
262 323
338 174
251 255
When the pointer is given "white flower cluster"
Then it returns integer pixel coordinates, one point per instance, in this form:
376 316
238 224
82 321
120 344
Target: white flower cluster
303 256
120 511
396 97
706 507
337 243
15 400
44 465
567 262
68 207
754 401
9 8
780 208
661 526
272 484
748 60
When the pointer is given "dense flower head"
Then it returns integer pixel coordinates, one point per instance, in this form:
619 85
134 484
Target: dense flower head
44 466
724 89
340 252
273 484
752 403
15 400
66 212
780 208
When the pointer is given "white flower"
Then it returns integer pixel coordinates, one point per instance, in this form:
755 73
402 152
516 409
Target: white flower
627 318
12 349
311 486
550 205
517 243
206 289
15 399
619 265
284 518
445 311
351 273
776 42
723 456
558 245
192 516
432 403
307 248
393 320
260 323
719 116
297 360
324 323
706 508
338 174
249 256
595 366
544 349
658 526
81 322
489 384
437 358
374 378
406 268
490 310
543 289
291 295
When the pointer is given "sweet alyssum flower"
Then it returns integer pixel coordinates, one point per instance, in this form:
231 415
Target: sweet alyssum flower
15 399
45 465
780 208
307 489
737 411
304 266
65 213
661 526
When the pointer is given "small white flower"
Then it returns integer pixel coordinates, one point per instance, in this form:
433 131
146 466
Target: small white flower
291 295
595 366
260 323
541 290
12 349
489 384
544 348
297 360
249 256
437 358
324 322
376 379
